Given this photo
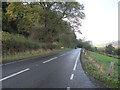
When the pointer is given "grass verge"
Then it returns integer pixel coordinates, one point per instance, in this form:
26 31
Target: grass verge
33 53
97 66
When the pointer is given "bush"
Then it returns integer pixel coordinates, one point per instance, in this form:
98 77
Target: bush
12 43
50 46
110 49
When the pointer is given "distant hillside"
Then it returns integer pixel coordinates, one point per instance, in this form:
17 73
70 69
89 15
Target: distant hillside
115 44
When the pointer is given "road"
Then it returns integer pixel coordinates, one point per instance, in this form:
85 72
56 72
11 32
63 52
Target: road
60 70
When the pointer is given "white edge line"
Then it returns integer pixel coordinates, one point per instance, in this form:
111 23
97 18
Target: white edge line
14 74
14 62
68 52
50 60
62 55
9 63
72 75
68 88
76 62
19 60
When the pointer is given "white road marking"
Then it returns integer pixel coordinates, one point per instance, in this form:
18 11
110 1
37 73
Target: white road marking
76 61
50 60
14 62
18 61
14 74
9 63
72 75
68 88
62 55
68 52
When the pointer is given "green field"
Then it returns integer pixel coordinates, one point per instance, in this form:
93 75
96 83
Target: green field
103 61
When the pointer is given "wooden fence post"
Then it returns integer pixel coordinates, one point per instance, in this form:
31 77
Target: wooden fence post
111 67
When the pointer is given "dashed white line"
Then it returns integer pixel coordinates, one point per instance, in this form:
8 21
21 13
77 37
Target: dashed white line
50 60
68 88
76 61
72 75
14 74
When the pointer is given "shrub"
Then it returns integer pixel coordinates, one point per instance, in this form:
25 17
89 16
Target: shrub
12 43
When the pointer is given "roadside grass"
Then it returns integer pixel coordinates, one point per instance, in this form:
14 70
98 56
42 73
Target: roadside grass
33 53
103 61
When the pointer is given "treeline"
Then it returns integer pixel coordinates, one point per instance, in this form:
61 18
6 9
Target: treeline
85 44
51 23
109 50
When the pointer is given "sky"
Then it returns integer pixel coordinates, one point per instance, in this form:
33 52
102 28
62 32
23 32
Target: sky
101 23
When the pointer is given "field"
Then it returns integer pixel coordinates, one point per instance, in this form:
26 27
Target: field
97 65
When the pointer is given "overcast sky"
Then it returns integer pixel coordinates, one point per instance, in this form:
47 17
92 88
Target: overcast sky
101 22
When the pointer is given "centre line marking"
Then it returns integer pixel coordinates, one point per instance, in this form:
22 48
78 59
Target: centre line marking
68 88
76 62
14 74
72 75
50 60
